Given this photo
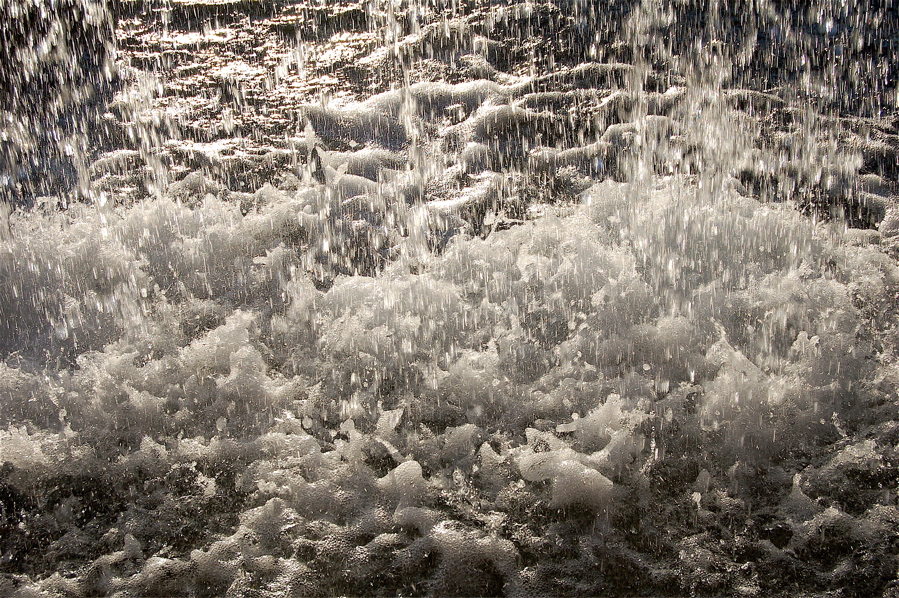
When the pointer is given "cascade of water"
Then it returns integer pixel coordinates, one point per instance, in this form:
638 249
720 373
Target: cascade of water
57 74
462 297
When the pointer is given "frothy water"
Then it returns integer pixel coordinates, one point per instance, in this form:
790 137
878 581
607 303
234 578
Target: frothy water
449 298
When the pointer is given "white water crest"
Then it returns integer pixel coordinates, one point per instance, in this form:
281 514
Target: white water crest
552 297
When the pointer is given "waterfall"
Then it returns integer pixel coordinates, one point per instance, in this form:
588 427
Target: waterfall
448 297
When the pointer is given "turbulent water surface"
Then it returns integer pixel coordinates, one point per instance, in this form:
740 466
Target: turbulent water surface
469 297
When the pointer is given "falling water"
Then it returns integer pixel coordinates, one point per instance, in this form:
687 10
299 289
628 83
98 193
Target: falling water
448 297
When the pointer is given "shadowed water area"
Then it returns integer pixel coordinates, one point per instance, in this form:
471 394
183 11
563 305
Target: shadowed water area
464 298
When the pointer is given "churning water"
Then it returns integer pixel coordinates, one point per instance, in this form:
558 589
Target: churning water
469 297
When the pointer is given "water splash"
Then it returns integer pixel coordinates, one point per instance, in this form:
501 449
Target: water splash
358 288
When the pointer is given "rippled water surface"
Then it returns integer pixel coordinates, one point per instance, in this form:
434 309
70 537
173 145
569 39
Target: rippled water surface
485 297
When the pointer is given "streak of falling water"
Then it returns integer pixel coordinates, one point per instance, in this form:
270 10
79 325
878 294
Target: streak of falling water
57 75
